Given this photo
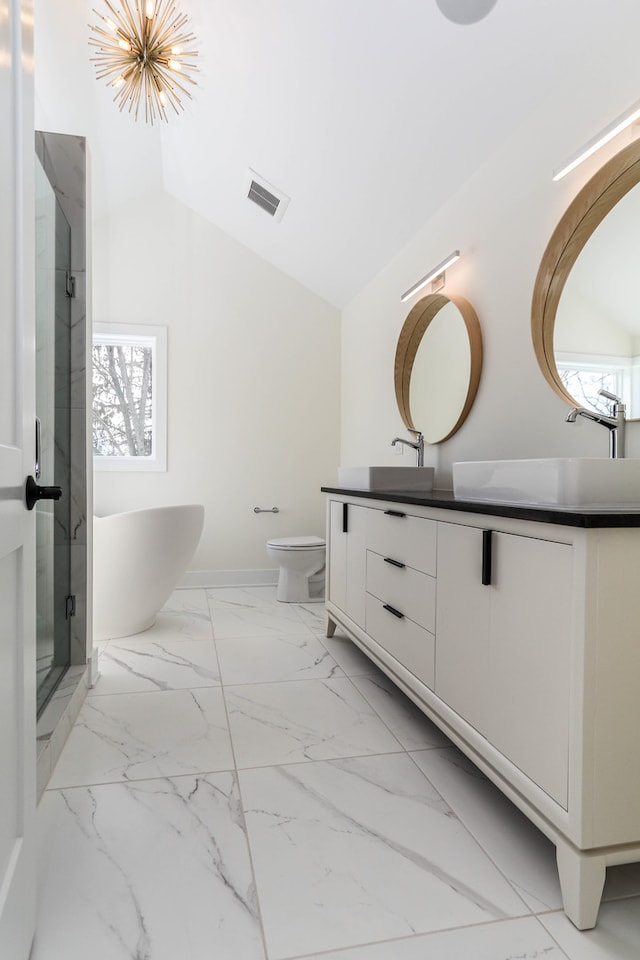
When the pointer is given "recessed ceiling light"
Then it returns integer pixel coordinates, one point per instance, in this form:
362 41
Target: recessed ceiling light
466 11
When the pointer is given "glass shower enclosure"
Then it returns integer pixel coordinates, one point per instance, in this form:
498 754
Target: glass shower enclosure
52 438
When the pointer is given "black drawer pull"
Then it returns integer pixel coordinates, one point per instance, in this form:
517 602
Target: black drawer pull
486 557
395 563
396 613
394 513
345 518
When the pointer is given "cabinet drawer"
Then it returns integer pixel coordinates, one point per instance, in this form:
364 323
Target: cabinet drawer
412 645
412 540
406 589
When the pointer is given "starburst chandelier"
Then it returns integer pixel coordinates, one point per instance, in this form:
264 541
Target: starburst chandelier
141 53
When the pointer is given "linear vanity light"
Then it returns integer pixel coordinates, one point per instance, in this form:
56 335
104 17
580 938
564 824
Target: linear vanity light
610 131
436 272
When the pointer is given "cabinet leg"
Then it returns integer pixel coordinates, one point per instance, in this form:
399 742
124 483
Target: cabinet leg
581 881
331 627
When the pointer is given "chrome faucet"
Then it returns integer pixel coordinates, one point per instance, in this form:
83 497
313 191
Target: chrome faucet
615 422
417 445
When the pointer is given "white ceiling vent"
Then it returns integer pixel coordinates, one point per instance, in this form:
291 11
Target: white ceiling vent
266 196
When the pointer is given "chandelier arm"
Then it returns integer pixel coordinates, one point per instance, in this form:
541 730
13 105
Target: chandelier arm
129 17
142 18
136 96
161 26
112 57
126 89
169 90
117 16
109 64
171 44
160 93
172 81
166 10
103 33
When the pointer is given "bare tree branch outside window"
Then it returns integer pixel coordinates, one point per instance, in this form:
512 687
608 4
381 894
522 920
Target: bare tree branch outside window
122 400
583 386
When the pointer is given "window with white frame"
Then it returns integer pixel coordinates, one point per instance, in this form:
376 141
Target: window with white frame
583 375
129 380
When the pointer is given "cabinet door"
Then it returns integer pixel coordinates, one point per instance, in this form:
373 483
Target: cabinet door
356 563
530 640
347 558
462 623
502 650
337 546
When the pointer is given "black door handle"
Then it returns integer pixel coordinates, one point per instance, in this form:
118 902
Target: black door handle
34 492
486 557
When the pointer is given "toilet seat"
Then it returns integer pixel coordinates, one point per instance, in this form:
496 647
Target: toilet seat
296 543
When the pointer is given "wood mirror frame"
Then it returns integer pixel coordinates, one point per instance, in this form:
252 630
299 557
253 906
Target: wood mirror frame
585 213
413 330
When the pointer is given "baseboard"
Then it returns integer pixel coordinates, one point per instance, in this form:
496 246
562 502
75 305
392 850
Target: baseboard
229 578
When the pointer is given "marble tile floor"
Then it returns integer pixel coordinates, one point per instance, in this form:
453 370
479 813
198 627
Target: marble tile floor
239 787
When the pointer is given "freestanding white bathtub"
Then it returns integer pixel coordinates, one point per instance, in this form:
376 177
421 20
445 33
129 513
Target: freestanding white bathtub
138 558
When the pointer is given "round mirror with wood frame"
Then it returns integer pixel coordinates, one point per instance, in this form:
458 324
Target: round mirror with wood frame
586 212
454 353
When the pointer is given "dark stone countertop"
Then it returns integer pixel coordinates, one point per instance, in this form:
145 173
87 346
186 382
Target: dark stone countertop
445 500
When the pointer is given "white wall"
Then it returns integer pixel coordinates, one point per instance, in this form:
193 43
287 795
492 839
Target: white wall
582 326
501 220
254 379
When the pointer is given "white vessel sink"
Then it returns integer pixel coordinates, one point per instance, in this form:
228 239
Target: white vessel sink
387 479
592 483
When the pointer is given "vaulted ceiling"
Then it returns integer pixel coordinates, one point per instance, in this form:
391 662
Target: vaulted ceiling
368 114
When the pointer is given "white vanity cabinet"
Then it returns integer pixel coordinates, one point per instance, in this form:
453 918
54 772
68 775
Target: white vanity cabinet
520 638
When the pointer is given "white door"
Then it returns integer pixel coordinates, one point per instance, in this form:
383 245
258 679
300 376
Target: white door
17 525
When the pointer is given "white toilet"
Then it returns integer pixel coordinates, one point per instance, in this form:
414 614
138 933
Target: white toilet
301 562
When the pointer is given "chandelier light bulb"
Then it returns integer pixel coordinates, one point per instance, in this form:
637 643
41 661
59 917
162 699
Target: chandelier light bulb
147 43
